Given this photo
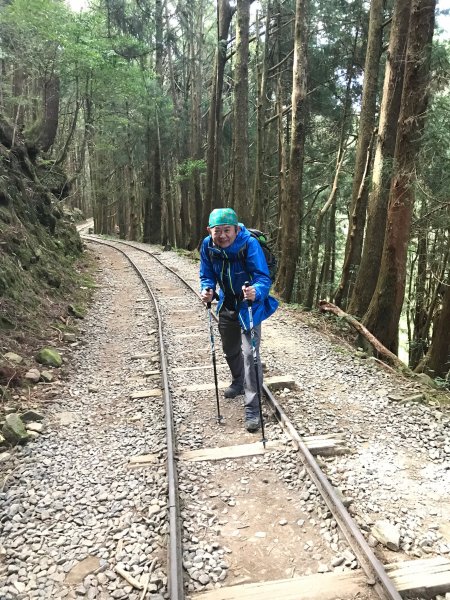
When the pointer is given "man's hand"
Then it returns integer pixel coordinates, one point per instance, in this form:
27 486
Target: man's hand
249 293
207 295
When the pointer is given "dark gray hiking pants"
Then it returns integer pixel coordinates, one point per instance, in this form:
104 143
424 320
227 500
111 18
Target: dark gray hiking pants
237 347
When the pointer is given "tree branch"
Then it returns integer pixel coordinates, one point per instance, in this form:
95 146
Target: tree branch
389 356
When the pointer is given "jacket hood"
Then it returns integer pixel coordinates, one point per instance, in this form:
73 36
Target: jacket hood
240 241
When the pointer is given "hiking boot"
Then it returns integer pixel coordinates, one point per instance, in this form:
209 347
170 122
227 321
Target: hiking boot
252 424
235 389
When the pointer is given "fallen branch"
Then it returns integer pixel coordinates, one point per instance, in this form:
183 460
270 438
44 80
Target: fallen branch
128 577
145 580
389 356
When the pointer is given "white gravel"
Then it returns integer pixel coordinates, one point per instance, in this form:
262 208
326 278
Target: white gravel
73 510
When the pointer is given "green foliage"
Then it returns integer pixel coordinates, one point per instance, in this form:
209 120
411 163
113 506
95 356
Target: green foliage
105 59
33 32
442 384
189 168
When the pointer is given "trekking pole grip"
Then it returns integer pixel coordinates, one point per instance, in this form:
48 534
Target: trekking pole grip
246 285
208 304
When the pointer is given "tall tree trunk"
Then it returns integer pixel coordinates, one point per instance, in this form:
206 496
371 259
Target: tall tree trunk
282 160
172 238
19 95
134 232
156 203
130 178
159 46
147 229
196 150
240 121
258 216
156 206
419 343
71 133
184 212
291 209
122 209
280 130
329 262
437 361
328 270
49 127
367 276
358 204
213 153
383 315
318 232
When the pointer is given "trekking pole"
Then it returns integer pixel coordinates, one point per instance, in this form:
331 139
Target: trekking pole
255 363
213 354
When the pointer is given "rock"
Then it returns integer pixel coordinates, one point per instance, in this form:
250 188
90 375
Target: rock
337 562
33 375
322 568
20 587
14 429
46 376
83 568
387 534
72 310
415 398
30 416
70 337
37 427
4 456
395 397
426 379
50 357
13 357
346 501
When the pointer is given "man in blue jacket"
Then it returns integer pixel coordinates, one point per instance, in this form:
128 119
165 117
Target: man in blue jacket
229 257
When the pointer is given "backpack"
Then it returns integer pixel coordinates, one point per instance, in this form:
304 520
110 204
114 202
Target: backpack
269 255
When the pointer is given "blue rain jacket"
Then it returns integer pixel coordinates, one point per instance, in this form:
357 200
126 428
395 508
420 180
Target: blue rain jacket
231 267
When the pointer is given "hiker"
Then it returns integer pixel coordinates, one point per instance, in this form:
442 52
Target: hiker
229 257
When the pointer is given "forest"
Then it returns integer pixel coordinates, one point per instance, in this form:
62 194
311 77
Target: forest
323 123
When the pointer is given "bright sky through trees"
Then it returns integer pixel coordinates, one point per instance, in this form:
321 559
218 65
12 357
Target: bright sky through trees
77 4
443 20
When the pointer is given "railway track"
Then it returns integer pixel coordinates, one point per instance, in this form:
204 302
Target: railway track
219 470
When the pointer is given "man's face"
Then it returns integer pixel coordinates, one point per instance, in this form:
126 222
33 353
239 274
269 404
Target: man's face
223 235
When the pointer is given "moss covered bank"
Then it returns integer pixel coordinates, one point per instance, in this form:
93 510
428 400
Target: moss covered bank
40 251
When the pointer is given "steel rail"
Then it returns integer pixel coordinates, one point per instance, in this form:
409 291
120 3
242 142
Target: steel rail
376 574
373 568
175 553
